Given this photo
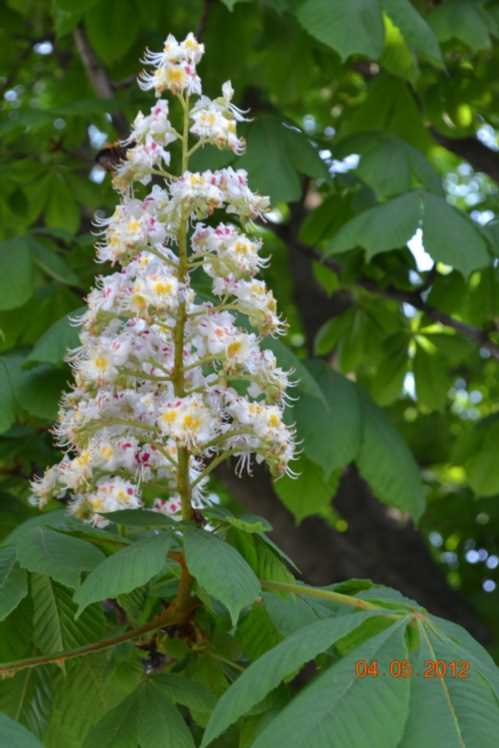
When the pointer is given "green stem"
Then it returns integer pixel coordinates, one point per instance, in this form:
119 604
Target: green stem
213 464
334 597
183 455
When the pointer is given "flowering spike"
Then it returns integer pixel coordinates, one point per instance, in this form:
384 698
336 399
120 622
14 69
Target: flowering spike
167 385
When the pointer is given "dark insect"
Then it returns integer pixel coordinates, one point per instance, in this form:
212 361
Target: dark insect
111 155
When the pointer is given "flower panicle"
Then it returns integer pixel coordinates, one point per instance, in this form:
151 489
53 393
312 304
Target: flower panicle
160 372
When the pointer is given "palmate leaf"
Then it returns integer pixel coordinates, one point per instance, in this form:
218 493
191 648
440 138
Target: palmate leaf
125 570
146 718
349 28
450 710
331 428
13 582
386 463
227 576
339 709
416 31
27 697
60 556
91 687
16 273
448 235
269 670
54 625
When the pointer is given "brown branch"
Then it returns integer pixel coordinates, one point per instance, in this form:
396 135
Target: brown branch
98 77
9 669
178 612
414 298
478 155
203 20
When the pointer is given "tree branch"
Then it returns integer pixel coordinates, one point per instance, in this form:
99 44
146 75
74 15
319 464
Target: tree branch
414 298
473 151
98 77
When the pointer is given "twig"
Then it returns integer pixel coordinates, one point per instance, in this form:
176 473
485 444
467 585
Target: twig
203 19
178 612
98 77
414 298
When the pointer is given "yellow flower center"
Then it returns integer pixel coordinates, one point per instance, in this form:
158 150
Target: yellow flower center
101 363
133 225
191 422
234 348
169 416
139 301
162 287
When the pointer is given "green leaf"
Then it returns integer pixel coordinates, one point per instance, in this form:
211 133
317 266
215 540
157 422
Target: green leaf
413 26
264 675
452 238
310 493
292 155
398 58
39 391
331 428
26 697
381 228
61 208
257 633
449 710
50 261
146 718
187 692
386 384
349 28
391 166
339 709
125 570
109 29
14 735
140 518
264 557
390 108
246 522
481 465
102 683
60 556
54 626
287 360
332 331
16 273
55 343
463 21
227 577
13 582
386 463
432 378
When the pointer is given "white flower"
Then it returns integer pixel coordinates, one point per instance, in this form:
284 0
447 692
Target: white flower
161 373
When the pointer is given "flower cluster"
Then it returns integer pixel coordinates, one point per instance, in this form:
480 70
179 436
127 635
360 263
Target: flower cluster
168 384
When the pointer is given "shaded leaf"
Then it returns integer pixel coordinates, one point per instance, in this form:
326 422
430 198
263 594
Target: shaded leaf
227 577
268 671
60 556
350 28
125 570
13 582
